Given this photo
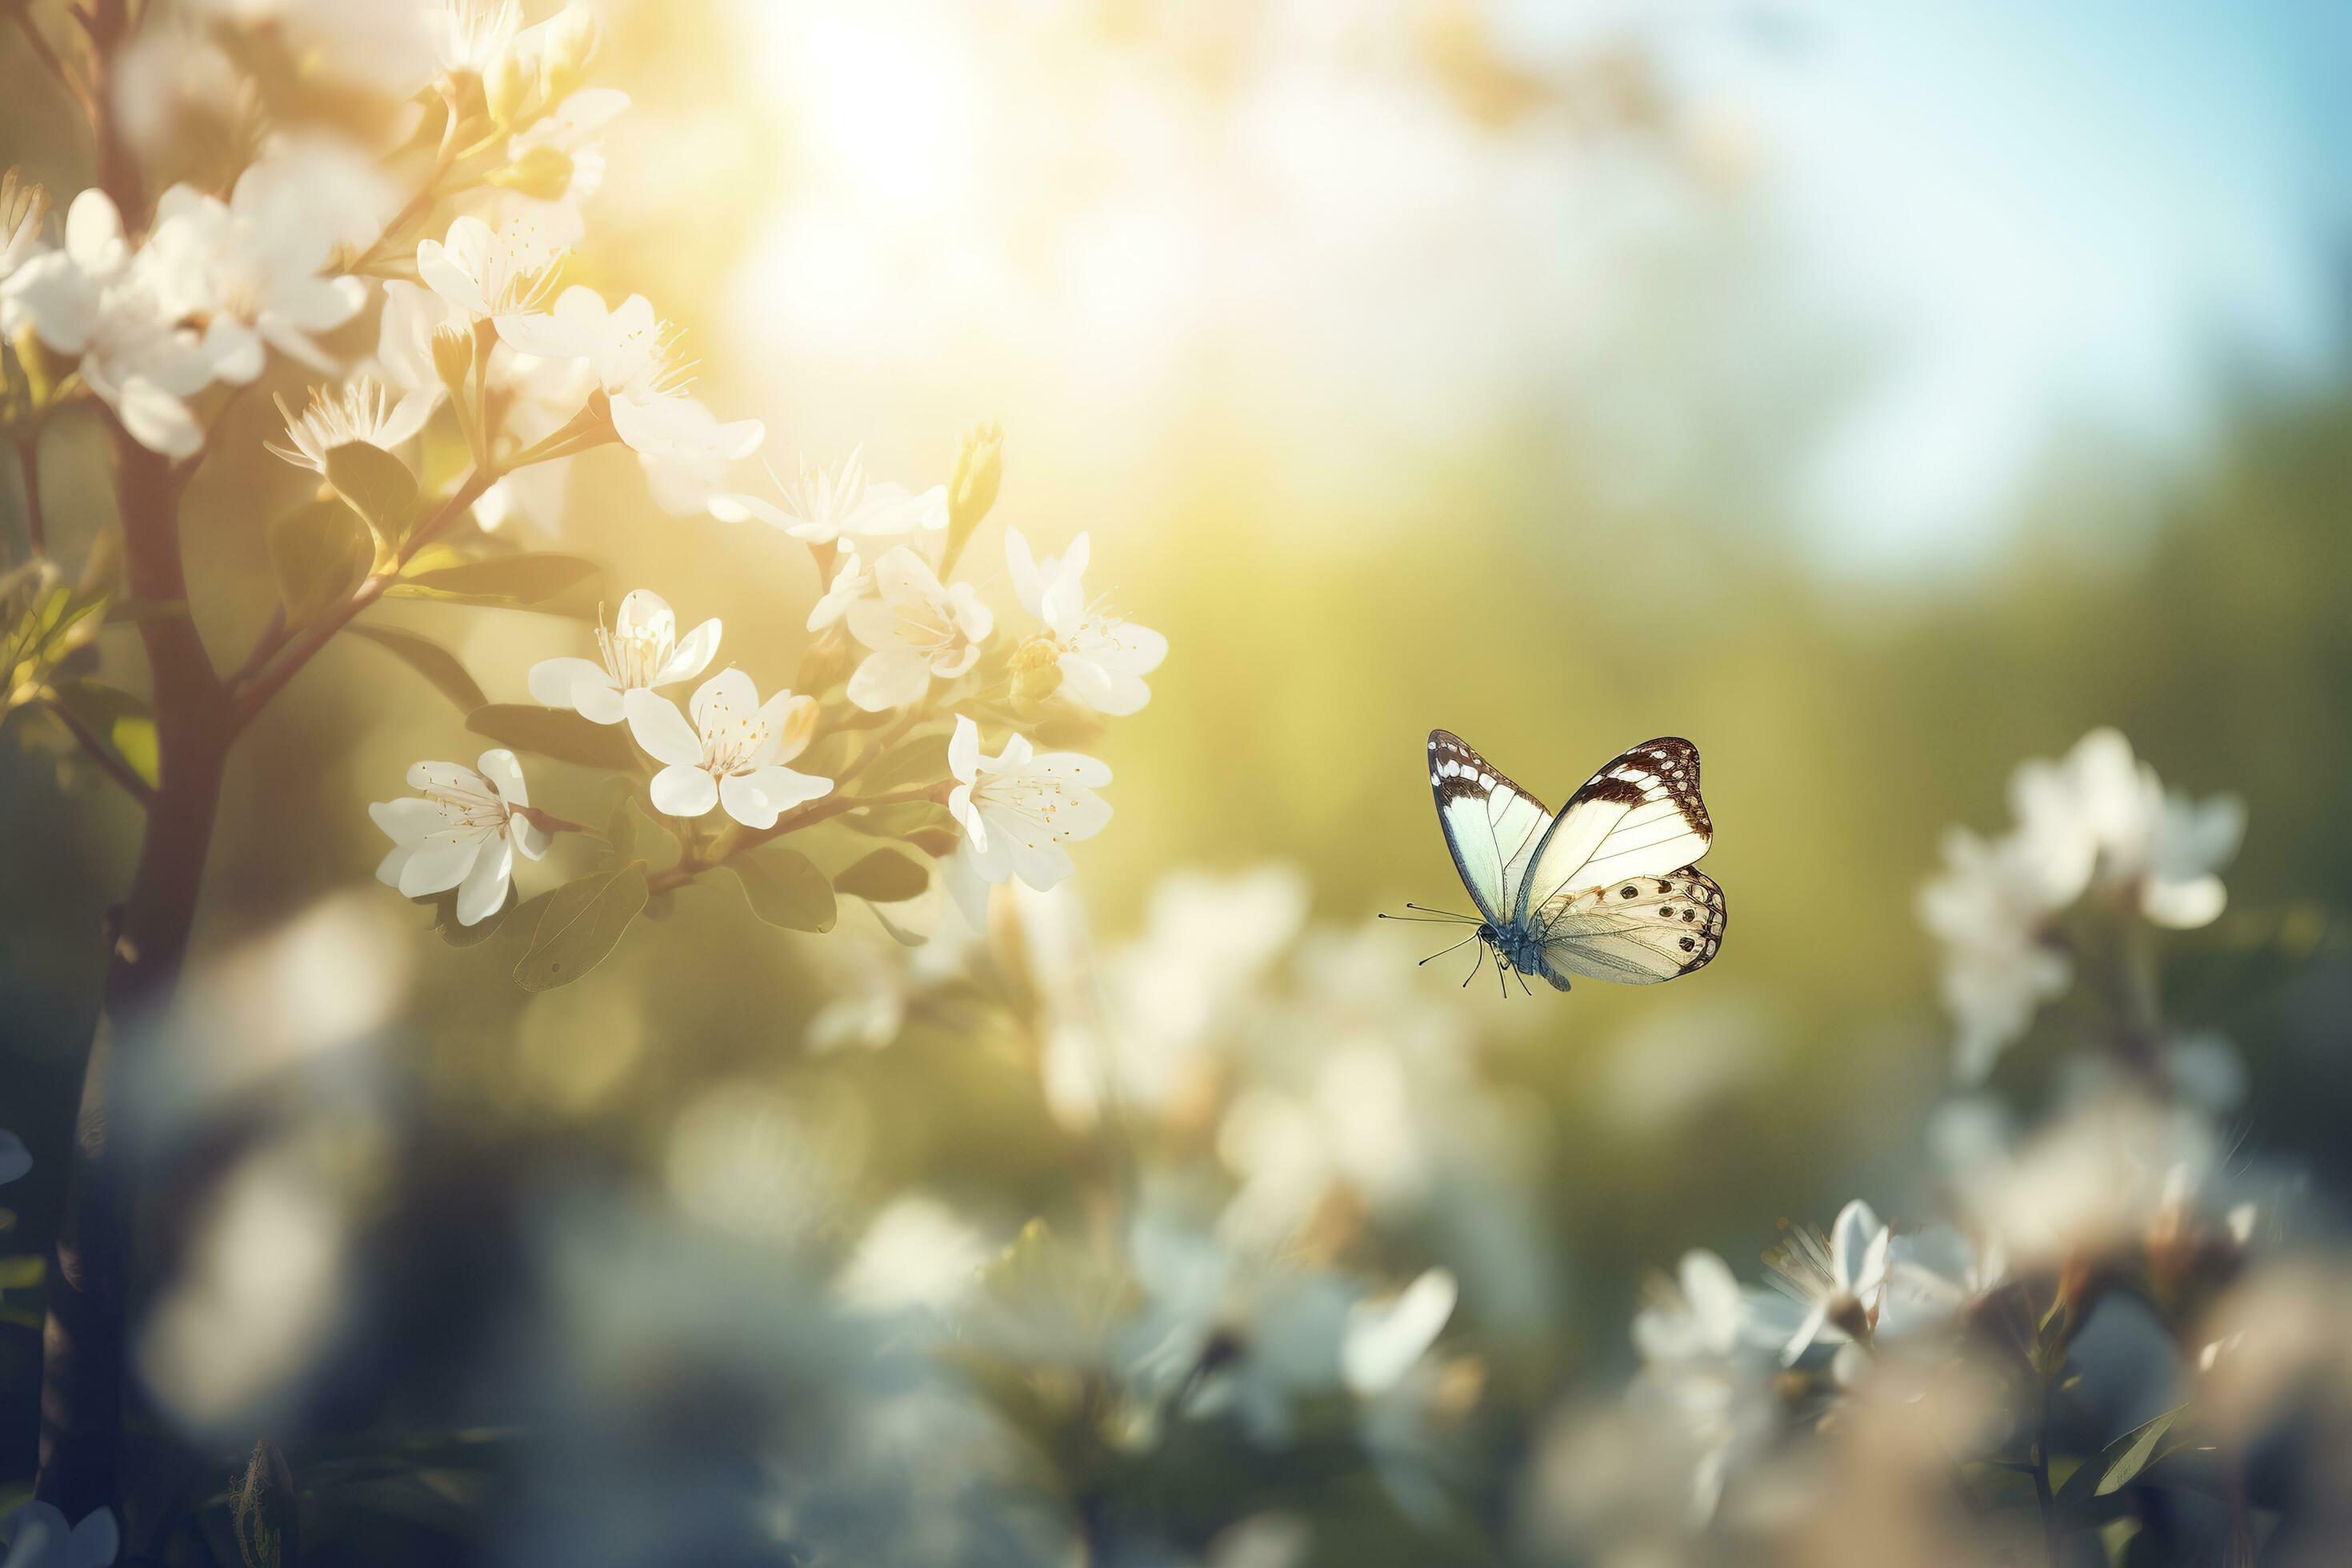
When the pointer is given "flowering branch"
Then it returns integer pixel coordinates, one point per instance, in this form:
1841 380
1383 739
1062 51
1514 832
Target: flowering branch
691 866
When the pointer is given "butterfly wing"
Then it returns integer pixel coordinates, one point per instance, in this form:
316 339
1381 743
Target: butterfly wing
1639 816
1636 931
1492 825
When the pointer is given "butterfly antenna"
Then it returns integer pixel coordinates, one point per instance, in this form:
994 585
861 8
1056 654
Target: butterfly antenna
1442 914
1442 953
1473 966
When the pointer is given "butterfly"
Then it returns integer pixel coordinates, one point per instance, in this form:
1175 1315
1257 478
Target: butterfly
1606 889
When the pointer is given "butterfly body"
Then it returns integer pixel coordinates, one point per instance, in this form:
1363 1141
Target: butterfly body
1607 888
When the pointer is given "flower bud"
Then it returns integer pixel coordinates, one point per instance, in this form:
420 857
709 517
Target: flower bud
980 468
453 358
567 51
544 173
1037 669
506 86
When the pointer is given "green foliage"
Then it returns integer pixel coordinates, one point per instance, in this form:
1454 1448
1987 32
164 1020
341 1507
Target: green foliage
429 660
320 552
581 926
379 487
552 732
784 888
884 877
527 581
920 759
120 719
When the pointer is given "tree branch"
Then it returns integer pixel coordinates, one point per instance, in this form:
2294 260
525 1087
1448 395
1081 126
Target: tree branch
690 866
281 653
28 458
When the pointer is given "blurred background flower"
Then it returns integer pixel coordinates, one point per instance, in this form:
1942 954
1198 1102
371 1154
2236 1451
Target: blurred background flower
1883 397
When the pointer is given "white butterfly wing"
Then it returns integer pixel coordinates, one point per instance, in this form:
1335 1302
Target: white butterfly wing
1492 825
1636 931
1639 816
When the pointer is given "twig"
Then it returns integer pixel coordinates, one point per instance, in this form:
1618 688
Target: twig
692 865
108 760
281 656
29 456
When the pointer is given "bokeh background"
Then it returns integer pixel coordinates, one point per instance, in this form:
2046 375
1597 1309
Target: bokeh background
1876 396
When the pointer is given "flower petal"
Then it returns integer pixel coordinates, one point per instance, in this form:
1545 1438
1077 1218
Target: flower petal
559 683
684 791
499 766
693 655
662 730
484 890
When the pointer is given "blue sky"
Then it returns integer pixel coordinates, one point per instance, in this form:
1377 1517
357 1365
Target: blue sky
2046 217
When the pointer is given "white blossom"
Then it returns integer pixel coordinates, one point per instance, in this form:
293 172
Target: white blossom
632 354
95 301
253 268
461 830
825 504
642 651
733 753
852 581
916 628
1018 808
468 35
1385 1338
496 275
1702 1314
1103 658
1836 1282
361 410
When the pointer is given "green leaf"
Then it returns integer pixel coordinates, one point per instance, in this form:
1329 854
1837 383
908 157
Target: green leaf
901 819
884 877
786 889
2118 1463
583 924
505 582
918 760
120 719
431 660
455 934
552 732
320 552
378 486
23 1271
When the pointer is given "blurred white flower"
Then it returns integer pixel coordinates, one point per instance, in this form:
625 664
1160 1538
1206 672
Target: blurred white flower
361 410
1837 1282
467 35
2097 821
253 268
632 354
463 831
15 1158
2126 834
916 1252
825 504
93 300
1931 1277
916 628
1989 908
1018 808
642 651
852 581
732 754
1103 658
1384 1340
1717 1416
1701 1315
36 1536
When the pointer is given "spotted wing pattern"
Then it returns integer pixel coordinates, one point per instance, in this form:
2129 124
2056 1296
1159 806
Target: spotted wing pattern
1637 931
1639 816
1492 825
